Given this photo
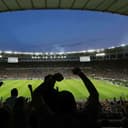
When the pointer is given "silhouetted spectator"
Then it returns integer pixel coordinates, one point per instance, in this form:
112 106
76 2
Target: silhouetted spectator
47 90
20 113
5 118
12 99
67 105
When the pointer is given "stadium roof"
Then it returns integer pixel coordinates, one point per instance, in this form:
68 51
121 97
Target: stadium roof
113 6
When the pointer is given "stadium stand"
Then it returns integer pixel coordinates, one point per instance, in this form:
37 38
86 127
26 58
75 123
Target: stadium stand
112 66
36 113
107 63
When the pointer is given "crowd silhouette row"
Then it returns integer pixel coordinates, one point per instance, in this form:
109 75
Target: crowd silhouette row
50 107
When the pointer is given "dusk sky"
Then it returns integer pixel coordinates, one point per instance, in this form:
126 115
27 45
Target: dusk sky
61 30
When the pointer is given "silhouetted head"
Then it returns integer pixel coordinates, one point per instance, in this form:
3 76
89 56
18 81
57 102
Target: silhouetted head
58 77
50 80
1 83
14 92
66 102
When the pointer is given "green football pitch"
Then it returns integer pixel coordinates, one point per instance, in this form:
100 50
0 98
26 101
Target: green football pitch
76 86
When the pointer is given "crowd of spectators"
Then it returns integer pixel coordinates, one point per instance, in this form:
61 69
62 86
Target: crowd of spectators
110 69
52 108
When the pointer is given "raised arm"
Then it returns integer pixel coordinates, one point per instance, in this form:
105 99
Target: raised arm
88 84
39 103
92 107
30 89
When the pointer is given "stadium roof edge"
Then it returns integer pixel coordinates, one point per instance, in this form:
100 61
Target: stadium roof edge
112 6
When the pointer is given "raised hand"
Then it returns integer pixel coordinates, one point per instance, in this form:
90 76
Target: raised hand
76 70
30 86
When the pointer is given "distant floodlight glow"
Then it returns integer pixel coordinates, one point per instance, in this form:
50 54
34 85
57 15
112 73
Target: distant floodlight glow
102 49
91 50
37 53
111 47
8 52
60 53
123 45
100 54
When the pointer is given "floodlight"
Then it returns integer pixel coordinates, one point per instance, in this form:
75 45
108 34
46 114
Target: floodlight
100 54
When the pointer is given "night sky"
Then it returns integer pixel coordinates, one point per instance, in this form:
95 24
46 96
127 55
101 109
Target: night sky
61 30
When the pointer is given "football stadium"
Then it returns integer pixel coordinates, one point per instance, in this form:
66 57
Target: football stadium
108 69
102 105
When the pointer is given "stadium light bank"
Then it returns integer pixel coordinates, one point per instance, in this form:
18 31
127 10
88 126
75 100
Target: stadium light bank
100 54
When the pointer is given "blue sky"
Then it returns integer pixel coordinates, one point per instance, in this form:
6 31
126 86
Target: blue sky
61 30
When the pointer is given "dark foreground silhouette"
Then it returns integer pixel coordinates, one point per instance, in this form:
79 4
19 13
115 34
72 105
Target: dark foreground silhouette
50 107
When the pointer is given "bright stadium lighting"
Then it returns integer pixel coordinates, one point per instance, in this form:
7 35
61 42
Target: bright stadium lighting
102 49
60 53
100 54
0 56
37 53
52 53
123 45
84 51
46 53
18 52
15 52
8 52
97 50
24 53
65 56
112 47
91 50
30 53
